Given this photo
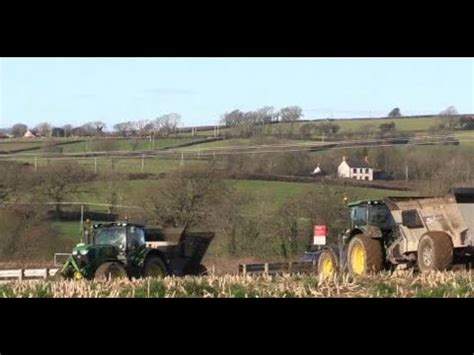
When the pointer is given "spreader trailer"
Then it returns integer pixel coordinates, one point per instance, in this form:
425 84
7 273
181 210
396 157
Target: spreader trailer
425 233
126 249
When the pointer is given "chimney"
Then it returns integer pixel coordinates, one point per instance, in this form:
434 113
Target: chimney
343 158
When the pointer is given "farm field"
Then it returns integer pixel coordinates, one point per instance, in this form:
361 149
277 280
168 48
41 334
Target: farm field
398 284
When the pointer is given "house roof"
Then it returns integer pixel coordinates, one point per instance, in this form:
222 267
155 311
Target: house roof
357 163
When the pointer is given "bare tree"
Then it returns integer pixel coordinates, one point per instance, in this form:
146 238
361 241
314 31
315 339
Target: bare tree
62 180
449 116
233 118
291 113
19 129
44 129
167 124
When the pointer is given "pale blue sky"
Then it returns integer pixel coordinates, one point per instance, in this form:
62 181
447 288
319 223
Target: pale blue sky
78 90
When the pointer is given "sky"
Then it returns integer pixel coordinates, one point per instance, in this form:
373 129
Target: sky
78 90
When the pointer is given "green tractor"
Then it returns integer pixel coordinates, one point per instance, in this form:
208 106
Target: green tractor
426 233
125 249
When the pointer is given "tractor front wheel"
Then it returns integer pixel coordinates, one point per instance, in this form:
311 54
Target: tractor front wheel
364 255
154 267
435 252
110 270
327 264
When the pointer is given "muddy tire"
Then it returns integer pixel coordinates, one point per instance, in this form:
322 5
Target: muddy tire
435 252
110 270
364 255
327 264
154 267
201 271
58 276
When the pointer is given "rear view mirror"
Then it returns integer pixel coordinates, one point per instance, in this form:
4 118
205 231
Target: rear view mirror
411 219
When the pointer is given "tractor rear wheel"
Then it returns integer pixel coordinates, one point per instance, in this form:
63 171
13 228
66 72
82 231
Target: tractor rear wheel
327 264
110 270
364 255
154 267
435 252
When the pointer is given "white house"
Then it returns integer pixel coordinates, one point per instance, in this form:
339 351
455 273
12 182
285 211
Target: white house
317 171
355 169
31 134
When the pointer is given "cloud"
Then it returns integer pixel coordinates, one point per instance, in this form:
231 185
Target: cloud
169 91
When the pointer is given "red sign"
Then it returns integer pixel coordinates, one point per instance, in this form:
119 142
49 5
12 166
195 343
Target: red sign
320 230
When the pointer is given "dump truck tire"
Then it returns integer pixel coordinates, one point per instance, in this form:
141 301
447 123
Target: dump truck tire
364 255
201 271
435 252
327 263
154 267
110 270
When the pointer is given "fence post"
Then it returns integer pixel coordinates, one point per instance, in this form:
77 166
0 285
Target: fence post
266 268
22 274
46 273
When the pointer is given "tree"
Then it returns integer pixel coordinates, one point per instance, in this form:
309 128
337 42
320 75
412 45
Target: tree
450 111
44 129
183 197
94 128
19 129
290 113
67 130
395 113
62 180
58 132
450 116
233 118
125 128
167 124
265 115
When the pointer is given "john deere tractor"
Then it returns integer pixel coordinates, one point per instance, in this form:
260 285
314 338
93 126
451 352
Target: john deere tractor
124 249
427 233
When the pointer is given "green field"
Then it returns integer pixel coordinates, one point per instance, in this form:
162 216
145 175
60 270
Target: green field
122 144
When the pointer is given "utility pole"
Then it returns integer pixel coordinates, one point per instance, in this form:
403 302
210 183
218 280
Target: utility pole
143 163
406 172
95 165
36 163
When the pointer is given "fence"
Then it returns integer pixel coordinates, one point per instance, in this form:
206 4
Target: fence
26 274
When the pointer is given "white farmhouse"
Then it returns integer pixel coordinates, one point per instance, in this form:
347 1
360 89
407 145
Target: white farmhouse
31 134
356 169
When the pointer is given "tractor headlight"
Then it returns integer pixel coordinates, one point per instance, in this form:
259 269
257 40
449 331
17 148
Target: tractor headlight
74 252
84 252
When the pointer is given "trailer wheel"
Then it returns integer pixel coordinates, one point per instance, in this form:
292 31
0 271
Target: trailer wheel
109 271
435 252
327 264
154 267
364 255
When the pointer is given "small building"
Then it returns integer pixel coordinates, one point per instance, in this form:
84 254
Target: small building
31 134
358 169
317 171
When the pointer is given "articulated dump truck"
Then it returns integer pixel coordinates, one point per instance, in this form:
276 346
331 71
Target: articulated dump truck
426 233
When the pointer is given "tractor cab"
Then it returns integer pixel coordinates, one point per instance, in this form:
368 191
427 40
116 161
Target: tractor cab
371 213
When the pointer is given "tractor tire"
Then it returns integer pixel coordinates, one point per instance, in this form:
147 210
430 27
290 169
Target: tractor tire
154 267
364 255
435 252
201 271
58 276
327 264
109 271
